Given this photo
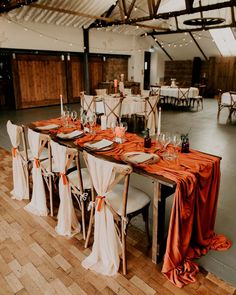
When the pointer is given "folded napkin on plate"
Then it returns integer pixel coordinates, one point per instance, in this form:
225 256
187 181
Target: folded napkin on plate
73 134
47 127
99 144
138 158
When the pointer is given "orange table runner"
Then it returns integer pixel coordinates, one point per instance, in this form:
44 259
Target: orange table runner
191 230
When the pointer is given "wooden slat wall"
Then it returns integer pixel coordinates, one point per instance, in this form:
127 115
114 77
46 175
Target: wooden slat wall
221 74
40 79
75 78
113 67
95 72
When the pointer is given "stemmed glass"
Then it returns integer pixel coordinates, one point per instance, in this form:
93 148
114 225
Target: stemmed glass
83 119
92 118
66 116
113 126
73 116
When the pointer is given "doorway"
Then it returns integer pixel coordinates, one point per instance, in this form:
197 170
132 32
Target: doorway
7 100
147 65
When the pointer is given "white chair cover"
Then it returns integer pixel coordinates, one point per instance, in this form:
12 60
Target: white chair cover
152 119
37 205
67 224
20 190
104 257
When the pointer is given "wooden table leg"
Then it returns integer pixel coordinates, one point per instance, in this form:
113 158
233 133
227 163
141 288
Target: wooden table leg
155 247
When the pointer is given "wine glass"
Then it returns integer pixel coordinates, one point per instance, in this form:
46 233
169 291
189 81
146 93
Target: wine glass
73 115
66 116
113 126
92 118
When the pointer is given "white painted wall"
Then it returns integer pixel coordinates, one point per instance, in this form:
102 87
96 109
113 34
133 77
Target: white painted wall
157 67
52 37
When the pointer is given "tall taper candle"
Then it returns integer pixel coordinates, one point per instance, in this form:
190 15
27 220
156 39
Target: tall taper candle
61 105
159 122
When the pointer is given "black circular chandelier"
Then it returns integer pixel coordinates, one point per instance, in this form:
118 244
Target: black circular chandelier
204 21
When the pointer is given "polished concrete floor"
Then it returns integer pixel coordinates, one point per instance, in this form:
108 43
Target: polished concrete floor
206 134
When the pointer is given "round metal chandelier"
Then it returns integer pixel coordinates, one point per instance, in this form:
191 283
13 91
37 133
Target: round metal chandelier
204 21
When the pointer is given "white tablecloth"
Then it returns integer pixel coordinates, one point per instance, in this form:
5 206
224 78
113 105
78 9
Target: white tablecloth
174 92
130 105
226 99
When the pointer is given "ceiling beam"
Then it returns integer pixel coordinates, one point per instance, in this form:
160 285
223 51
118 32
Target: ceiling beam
153 33
198 46
150 7
167 15
130 8
8 5
66 11
150 27
162 48
156 6
189 5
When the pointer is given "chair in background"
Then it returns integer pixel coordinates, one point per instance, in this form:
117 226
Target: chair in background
183 97
112 208
38 205
101 92
198 99
127 91
88 103
112 107
145 93
233 102
70 184
150 114
227 100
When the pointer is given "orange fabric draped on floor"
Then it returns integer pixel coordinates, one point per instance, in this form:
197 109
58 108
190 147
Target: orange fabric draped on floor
191 230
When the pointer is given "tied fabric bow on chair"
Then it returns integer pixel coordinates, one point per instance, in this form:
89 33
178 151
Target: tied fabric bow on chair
100 202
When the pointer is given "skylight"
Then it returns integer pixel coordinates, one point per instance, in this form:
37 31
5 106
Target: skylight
225 41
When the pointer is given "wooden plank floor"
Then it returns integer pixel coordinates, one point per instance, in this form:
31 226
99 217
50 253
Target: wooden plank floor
34 260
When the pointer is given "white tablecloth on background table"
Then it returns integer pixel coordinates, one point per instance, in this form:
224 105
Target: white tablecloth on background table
130 105
174 92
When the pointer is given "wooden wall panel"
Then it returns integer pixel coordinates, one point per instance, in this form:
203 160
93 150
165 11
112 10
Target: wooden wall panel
221 74
113 67
95 73
179 70
41 80
75 78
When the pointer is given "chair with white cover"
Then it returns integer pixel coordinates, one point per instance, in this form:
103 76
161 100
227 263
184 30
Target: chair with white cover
38 204
112 107
115 203
68 224
88 103
19 162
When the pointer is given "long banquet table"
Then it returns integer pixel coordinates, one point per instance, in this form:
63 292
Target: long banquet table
194 178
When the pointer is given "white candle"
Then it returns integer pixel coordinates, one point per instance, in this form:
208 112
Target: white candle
159 122
61 101
103 122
